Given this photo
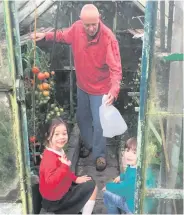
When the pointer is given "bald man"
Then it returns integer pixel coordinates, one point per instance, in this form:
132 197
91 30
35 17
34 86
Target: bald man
98 72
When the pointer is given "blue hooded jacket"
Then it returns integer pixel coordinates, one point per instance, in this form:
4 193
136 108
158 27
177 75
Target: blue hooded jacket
126 187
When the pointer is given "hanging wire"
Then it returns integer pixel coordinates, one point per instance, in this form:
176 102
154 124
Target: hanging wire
71 74
54 43
53 50
34 80
55 30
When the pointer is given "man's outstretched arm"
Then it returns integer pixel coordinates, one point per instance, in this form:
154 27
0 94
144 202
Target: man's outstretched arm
64 36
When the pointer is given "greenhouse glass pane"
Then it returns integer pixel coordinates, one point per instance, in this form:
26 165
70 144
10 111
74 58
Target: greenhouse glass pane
5 75
9 172
164 151
162 206
164 115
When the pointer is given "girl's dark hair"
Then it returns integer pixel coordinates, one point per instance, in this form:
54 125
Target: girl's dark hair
131 144
51 126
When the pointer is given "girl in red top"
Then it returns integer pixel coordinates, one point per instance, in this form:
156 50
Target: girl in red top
62 191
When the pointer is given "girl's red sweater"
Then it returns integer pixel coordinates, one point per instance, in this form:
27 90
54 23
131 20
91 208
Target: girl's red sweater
55 177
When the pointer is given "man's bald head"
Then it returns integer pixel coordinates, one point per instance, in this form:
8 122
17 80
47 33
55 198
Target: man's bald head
90 17
89 11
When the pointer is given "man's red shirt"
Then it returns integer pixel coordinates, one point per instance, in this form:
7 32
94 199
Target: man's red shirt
97 62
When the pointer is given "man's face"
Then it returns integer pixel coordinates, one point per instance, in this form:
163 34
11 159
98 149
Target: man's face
91 28
91 23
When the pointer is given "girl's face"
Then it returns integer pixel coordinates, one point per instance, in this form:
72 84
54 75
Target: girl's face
130 157
59 138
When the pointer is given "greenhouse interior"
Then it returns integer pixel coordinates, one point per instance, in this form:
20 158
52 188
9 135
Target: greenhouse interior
38 83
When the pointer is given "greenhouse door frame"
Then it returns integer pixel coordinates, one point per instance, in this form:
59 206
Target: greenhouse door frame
147 54
17 98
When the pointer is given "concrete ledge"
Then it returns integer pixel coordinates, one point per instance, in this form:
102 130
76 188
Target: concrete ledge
45 212
74 147
120 151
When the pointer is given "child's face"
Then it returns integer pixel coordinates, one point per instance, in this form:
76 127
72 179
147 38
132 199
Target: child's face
59 138
130 157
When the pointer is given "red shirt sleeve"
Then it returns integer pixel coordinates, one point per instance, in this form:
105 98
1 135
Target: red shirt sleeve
113 60
64 36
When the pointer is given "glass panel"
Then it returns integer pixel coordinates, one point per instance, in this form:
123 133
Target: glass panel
9 177
164 119
164 128
48 19
164 150
163 206
129 16
5 75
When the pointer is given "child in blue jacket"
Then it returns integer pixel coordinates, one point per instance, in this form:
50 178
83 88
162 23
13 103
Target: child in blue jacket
119 194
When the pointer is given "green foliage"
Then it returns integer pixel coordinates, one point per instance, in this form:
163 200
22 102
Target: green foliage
41 102
152 154
42 62
8 167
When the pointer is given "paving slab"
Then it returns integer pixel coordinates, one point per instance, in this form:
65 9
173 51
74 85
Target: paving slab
112 160
100 177
99 207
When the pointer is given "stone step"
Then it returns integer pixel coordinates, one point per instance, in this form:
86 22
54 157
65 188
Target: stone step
100 177
43 211
86 166
99 207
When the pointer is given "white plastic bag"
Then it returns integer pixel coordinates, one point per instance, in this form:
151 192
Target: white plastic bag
111 120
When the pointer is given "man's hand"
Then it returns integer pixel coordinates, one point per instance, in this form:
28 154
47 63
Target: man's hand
117 179
64 160
82 179
39 36
110 99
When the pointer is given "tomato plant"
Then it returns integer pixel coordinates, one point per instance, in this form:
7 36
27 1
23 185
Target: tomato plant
41 90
